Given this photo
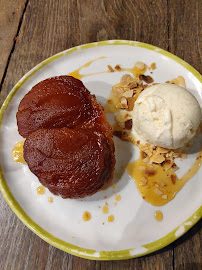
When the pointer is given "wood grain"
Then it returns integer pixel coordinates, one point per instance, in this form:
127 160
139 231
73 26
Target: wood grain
185 31
10 14
50 26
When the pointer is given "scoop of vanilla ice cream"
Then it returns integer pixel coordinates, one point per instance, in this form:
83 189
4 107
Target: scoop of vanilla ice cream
166 115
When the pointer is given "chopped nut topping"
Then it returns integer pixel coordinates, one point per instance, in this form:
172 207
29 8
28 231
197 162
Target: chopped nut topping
161 183
175 167
143 154
143 181
128 124
153 66
173 178
157 158
110 68
164 197
133 85
179 81
161 150
128 94
148 152
121 124
124 78
147 79
124 103
127 90
143 147
117 67
140 65
131 102
119 92
146 159
158 192
147 171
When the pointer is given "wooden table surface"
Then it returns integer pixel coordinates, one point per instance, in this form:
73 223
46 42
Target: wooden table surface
31 31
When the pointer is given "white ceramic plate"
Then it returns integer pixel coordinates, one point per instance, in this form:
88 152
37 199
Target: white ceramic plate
135 231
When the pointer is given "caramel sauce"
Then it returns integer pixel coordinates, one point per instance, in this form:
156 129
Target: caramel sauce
135 71
158 215
86 216
76 73
105 209
50 199
17 153
160 188
79 76
110 218
114 185
118 198
110 107
112 102
41 190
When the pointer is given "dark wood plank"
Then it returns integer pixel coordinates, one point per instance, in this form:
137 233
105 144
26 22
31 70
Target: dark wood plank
50 26
184 41
10 14
185 31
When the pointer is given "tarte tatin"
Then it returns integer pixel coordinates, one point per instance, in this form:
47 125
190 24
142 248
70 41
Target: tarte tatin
69 144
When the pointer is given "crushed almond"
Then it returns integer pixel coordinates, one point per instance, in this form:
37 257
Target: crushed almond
148 152
153 66
157 158
158 192
164 197
127 90
119 92
121 124
179 81
133 85
117 67
140 65
173 178
147 170
146 159
147 79
143 154
110 68
175 167
124 79
124 104
161 150
131 102
128 124
143 181
128 94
